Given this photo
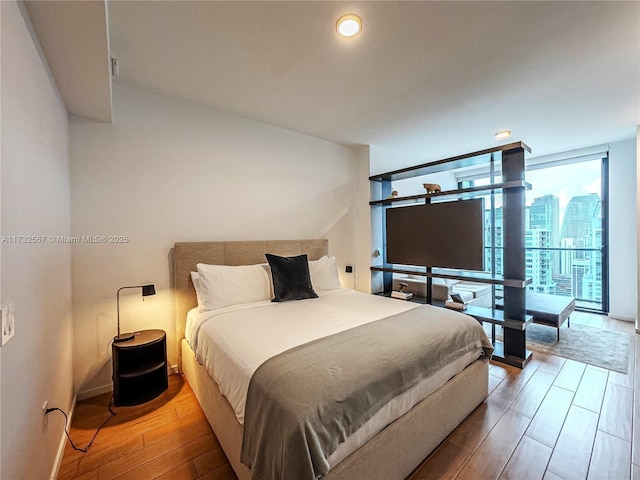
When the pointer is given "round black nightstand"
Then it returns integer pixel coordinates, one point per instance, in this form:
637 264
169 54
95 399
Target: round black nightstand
139 368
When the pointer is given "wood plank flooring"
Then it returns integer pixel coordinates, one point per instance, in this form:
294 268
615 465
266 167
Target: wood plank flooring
556 419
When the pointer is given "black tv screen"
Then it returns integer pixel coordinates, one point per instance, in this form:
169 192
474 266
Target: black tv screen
445 235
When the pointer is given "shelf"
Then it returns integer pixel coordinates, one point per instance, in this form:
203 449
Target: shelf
461 191
415 299
460 161
497 317
512 159
482 314
499 356
144 371
480 277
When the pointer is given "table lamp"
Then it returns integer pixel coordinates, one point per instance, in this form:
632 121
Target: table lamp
147 290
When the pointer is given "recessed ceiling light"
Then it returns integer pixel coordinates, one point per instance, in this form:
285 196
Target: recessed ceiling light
349 25
503 134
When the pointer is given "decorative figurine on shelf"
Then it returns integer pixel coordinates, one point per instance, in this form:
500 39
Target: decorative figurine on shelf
393 195
402 286
432 187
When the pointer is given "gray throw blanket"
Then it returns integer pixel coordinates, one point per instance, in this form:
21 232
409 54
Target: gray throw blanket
304 402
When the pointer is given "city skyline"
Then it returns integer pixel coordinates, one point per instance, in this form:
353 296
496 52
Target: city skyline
565 182
562 181
571 272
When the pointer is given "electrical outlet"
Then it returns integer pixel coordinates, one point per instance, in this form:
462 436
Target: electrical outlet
8 323
45 420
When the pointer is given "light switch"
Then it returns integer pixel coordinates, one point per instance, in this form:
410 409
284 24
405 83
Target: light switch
8 322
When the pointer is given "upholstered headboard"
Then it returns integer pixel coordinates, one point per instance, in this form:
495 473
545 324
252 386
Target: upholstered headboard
186 255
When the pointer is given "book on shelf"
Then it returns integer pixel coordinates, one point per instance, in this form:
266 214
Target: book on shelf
401 295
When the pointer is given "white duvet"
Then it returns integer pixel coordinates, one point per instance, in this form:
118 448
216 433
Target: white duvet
232 342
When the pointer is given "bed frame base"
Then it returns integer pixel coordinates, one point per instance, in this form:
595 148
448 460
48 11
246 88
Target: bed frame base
393 453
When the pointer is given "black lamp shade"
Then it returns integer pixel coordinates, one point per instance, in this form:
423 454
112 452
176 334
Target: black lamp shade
148 290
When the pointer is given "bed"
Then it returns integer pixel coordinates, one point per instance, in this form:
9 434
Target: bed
373 450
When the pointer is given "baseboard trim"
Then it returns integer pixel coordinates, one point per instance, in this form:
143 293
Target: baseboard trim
95 391
621 317
63 441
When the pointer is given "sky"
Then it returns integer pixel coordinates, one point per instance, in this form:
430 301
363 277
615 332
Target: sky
565 182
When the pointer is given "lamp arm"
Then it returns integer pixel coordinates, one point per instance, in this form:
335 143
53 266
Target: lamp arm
118 303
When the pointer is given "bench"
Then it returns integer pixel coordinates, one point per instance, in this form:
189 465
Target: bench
549 310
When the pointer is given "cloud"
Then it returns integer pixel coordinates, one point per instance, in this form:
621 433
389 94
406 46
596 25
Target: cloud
593 186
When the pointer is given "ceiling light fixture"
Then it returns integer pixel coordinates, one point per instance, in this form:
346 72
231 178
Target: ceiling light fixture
349 25
503 134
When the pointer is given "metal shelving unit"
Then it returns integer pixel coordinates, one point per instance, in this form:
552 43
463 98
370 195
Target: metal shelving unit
513 318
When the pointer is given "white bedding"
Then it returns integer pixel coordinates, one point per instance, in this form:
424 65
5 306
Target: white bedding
232 342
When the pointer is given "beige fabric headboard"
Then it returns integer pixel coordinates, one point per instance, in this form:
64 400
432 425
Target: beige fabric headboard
186 255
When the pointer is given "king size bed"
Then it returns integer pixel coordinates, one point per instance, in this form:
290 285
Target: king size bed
334 384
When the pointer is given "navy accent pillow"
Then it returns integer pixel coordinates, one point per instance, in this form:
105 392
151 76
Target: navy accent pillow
291 279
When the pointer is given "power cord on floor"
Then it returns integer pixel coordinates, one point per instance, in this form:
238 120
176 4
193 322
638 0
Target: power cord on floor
66 421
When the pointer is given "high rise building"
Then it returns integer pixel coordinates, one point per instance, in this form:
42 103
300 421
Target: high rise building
579 217
563 279
538 265
582 229
592 281
566 256
544 214
579 268
498 240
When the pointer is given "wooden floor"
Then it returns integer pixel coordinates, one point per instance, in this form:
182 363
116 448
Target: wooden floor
167 438
556 419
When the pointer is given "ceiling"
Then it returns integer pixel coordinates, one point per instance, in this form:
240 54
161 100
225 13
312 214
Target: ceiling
424 80
75 41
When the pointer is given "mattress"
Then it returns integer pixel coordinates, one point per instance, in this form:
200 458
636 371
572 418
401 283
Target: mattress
232 342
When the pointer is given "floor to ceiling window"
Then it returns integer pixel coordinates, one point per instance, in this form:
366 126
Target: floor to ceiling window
567 232
566 229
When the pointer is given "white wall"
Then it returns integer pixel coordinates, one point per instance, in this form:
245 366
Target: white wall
0 249
638 226
361 196
36 363
168 170
622 230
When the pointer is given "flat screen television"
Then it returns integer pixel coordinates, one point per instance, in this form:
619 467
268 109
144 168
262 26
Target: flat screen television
444 234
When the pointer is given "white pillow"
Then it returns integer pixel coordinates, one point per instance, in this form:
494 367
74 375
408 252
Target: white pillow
195 278
224 285
324 274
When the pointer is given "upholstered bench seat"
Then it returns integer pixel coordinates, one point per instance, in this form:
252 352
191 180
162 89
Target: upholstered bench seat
550 310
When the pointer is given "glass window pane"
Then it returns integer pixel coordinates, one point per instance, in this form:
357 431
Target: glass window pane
565 231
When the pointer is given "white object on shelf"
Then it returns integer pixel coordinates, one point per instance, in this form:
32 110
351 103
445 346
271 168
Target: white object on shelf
455 305
401 295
